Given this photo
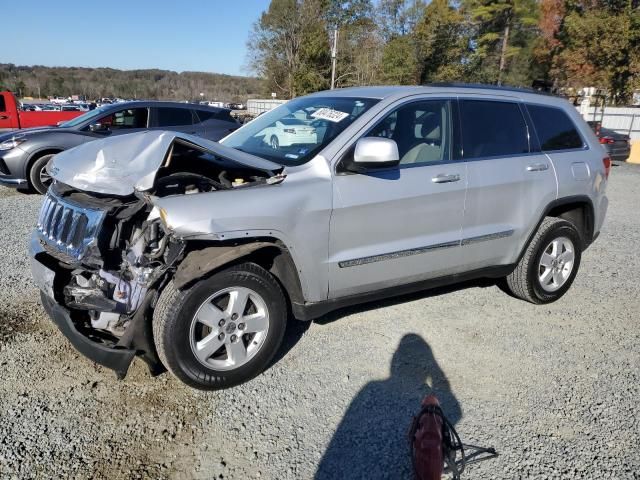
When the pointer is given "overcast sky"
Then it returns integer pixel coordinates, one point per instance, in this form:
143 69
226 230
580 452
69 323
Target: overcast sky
195 35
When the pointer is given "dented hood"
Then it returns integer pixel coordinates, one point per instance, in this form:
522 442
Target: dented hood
123 164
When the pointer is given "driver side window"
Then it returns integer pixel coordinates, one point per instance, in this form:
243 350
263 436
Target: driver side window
422 131
125 119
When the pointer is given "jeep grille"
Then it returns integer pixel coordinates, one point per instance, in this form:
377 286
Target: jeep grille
68 228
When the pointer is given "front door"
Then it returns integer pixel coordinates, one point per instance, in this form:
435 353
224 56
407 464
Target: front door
7 120
403 224
128 120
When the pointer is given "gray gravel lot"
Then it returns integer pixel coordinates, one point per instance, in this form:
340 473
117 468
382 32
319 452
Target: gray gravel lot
554 388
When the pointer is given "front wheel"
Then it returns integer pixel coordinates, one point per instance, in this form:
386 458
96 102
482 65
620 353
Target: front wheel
550 263
222 331
38 175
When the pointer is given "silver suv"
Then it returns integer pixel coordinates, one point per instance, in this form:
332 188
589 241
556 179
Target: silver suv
193 255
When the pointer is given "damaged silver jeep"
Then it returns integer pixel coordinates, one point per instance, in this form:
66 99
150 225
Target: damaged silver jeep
192 255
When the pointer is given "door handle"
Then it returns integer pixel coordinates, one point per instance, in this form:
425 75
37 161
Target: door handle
538 167
446 178
4 117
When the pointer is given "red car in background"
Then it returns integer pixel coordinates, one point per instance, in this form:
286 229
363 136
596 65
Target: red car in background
13 118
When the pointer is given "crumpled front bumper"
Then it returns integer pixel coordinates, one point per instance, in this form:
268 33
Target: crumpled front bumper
137 339
117 359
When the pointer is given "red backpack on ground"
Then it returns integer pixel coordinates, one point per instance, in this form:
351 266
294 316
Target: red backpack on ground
435 444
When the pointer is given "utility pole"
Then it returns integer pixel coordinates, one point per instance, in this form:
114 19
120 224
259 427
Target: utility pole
503 51
334 50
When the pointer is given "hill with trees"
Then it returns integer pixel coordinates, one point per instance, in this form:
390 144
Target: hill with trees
40 81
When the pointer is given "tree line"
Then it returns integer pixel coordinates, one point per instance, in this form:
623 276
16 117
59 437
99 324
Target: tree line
558 44
39 81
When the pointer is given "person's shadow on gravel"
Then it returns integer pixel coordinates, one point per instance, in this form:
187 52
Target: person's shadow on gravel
371 441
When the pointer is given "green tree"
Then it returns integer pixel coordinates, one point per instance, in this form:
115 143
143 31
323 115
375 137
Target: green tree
286 45
399 66
399 17
315 60
441 40
503 30
359 42
613 61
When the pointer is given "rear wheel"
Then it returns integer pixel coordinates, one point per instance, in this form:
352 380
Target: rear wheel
38 175
222 331
550 263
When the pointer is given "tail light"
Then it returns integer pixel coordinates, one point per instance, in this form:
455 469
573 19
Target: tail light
606 161
607 140
290 130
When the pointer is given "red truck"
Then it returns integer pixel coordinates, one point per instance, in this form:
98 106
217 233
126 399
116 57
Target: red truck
12 118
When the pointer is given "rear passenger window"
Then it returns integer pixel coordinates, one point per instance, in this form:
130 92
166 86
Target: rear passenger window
492 129
173 117
555 129
2 105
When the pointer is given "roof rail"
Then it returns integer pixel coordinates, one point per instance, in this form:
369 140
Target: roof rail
489 87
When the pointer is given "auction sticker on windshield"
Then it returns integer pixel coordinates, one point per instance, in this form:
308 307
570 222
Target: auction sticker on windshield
329 114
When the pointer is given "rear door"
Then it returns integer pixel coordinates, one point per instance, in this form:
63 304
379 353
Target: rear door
560 140
399 225
510 180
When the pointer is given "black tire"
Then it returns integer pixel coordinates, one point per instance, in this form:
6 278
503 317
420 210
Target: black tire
275 144
35 172
176 308
524 281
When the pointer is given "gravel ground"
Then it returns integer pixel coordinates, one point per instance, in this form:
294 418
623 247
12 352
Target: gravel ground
554 388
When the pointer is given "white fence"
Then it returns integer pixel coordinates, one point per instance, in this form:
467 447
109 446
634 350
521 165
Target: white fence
257 106
623 120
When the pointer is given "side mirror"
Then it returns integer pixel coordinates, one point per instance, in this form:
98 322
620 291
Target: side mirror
375 152
98 127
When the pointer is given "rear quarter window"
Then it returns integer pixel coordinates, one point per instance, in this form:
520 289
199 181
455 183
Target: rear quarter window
3 107
556 131
174 117
492 129
222 115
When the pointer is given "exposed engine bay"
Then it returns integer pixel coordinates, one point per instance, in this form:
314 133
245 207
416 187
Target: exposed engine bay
112 252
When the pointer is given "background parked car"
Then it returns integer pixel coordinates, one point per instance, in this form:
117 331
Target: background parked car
25 154
71 108
287 132
617 145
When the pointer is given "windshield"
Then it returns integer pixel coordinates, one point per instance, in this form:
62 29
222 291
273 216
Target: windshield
98 112
295 132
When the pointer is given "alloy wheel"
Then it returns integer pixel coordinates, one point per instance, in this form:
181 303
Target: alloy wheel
556 264
229 328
